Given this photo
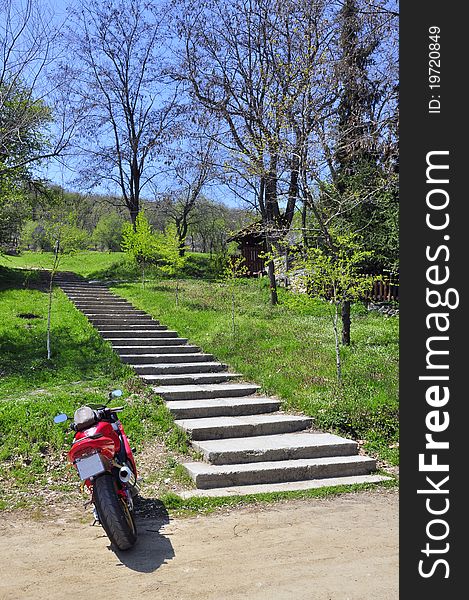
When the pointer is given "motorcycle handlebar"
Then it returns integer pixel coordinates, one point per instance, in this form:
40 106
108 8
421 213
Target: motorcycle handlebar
104 413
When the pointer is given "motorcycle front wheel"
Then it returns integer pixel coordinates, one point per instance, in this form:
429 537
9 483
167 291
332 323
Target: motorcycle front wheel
113 512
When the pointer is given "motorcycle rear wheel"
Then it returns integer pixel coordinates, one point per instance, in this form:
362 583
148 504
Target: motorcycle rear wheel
114 514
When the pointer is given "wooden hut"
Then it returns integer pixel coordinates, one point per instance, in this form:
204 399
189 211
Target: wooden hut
251 243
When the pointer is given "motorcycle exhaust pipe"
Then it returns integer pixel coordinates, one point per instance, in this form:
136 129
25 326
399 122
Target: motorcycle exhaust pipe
127 476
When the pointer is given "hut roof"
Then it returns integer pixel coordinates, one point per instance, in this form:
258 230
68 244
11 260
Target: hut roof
254 230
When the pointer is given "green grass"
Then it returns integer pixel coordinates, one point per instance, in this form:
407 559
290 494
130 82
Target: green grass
83 368
86 263
106 265
289 351
189 506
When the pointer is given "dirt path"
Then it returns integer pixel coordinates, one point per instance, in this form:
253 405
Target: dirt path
343 548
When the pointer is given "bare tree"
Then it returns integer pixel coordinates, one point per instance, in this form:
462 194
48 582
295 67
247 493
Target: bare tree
116 75
243 61
192 167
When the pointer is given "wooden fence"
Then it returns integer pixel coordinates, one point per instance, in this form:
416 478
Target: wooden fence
384 291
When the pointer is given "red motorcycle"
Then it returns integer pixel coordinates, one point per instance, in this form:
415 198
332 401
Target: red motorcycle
103 458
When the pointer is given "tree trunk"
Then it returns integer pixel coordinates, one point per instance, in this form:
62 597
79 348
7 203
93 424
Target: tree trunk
49 311
273 284
133 216
346 323
55 266
337 345
233 311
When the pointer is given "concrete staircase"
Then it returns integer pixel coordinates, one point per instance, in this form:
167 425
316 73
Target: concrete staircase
249 445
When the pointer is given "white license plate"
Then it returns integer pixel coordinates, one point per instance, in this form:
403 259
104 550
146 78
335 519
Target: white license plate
89 466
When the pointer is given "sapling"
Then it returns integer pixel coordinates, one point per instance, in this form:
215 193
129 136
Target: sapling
336 276
234 269
66 238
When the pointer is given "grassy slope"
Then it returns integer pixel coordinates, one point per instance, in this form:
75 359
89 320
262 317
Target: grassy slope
32 389
84 263
288 350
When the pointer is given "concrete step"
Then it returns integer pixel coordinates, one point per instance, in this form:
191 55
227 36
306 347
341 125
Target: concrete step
153 333
136 341
289 486
127 316
195 392
147 352
117 314
105 308
122 321
92 296
266 448
80 291
150 359
222 407
179 368
189 378
218 428
99 303
148 326
213 476
113 311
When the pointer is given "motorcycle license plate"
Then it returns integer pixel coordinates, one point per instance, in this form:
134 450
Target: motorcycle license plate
89 466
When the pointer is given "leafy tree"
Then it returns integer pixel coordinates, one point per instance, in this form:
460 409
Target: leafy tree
139 242
108 232
170 260
33 236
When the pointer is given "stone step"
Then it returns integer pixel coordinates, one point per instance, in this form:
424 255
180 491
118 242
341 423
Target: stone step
212 476
105 308
189 378
148 326
129 313
195 392
119 322
93 297
150 359
267 448
99 303
289 486
154 333
222 407
136 341
217 428
179 368
80 291
150 351
127 318
113 311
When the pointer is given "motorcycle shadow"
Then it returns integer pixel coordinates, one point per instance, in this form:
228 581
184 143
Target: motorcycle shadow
152 548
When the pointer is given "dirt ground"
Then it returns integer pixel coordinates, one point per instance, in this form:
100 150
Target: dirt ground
341 548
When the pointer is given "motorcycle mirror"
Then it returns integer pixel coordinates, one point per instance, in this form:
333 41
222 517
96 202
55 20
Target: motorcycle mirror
61 418
116 393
